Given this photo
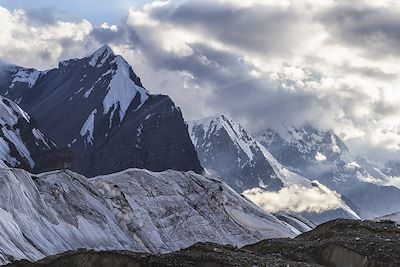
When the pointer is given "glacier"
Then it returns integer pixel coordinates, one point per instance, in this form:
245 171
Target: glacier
135 210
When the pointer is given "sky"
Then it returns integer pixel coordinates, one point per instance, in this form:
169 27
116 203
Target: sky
333 64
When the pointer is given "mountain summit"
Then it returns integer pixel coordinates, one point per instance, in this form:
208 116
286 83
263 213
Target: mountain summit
98 106
226 150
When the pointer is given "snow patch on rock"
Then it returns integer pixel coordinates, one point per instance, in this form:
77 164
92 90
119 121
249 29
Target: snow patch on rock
122 90
88 127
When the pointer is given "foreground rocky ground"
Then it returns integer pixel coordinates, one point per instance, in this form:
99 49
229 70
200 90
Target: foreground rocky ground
335 243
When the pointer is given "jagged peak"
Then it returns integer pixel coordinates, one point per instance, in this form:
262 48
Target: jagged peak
102 49
216 117
220 120
98 58
234 130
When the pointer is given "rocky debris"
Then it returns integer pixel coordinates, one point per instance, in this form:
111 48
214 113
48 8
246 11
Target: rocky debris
201 254
336 243
340 243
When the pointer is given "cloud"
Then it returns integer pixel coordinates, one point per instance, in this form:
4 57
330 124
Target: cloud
373 29
295 199
293 70
264 63
26 40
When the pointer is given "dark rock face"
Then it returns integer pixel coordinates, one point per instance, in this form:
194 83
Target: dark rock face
154 138
98 107
227 151
340 243
55 159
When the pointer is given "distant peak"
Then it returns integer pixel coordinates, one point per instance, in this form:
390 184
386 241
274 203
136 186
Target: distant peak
215 119
104 48
100 56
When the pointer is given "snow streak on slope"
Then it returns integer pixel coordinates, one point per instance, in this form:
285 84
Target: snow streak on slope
136 210
88 127
18 138
122 90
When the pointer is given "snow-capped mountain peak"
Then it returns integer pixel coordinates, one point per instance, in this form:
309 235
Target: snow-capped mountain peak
229 152
100 56
235 131
321 155
317 144
103 106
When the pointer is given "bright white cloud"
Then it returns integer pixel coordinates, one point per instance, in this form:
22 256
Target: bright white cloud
348 91
106 26
295 199
38 46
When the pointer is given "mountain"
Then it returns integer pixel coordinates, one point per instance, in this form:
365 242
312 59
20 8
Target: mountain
227 151
392 168
323 156
394 217
136 210
23 145
98 107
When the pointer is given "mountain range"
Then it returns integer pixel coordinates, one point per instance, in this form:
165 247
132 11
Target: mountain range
230 153
91 159
273 160
323 156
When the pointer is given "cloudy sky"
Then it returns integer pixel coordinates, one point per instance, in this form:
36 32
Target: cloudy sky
332 64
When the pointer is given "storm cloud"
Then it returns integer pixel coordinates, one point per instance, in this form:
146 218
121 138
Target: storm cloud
264 63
